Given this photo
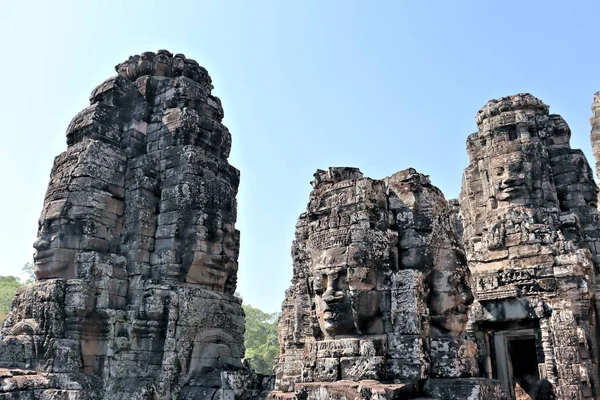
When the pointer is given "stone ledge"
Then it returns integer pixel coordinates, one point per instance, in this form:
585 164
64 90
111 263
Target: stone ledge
350 390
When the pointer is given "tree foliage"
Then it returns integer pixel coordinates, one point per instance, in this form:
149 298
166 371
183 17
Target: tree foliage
29 272
8 289
261 339
9 286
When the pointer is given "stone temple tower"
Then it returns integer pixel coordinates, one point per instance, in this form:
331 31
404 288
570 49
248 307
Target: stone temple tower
137 250
380 295
529 212
595 134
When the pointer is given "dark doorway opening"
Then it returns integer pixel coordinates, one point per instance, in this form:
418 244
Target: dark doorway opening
523 360
515 360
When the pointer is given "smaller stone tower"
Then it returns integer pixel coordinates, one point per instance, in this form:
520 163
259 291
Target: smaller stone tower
528 206
380 295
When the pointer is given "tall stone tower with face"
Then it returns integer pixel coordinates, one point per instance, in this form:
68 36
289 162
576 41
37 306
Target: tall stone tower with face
528 207
595 133
137 250
380 293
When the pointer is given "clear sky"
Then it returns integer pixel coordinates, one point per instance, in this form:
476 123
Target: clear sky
379 85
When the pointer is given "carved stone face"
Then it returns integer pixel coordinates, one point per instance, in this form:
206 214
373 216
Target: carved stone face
345 295
75 218
52 259
205 272
61 236
212 349
511 176
450 294
332 302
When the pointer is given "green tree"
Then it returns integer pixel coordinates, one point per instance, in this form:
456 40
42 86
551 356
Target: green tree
9 286
29 271
8 289
261 339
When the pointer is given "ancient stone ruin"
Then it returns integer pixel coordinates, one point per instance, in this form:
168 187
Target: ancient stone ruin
396 293
380 295
595 134
137 250
528 208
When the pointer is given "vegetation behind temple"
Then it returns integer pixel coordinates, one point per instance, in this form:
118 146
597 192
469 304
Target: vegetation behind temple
261 328
9 286
260 339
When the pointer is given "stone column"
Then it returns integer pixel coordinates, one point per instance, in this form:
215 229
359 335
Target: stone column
137 248
595 133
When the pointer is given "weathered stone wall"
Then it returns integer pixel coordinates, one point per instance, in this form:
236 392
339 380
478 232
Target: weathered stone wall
531 230
379 295
137 249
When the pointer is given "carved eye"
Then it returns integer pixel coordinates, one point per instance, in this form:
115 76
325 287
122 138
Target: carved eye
320 281
51 226
499 171
341 282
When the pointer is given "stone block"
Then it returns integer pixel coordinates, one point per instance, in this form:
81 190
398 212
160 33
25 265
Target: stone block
408 323
337 348
327 370
410 348
361 368
398 369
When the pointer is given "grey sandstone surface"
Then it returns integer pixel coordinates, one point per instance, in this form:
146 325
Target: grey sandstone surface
528 210
595 134
137 250
380 294
396 293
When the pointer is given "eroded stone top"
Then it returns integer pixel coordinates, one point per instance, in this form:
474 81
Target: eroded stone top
335 175
163 63
517 102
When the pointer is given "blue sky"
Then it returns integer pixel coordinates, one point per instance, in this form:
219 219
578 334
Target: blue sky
381 85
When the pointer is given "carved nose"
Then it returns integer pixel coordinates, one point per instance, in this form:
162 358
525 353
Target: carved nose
41 244
512 181
508 181
332 295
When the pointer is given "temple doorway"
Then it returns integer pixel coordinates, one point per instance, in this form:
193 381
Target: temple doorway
516 362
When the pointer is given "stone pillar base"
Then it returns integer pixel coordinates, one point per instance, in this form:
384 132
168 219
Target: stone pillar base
350 390
465 389
19 384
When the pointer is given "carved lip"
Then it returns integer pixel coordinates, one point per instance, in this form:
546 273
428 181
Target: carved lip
331 310
512 188
43 257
